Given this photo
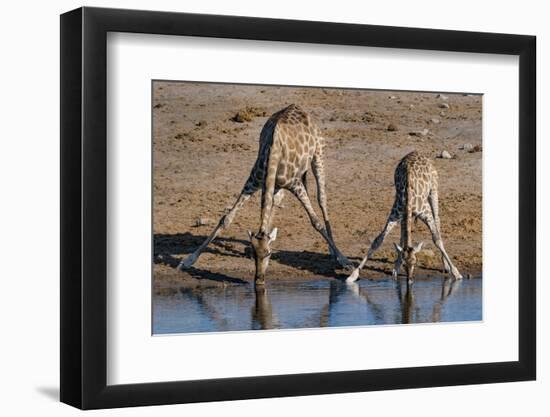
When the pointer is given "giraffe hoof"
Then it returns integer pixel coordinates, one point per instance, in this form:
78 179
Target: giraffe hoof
354 276
455 274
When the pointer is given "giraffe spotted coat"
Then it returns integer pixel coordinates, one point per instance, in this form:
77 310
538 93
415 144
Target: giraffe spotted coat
416 197
289 144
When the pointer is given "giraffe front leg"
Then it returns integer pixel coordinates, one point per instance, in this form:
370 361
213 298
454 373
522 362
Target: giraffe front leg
318 169
301 194
453 269
438 242
446 266
433 200
390 224
223 224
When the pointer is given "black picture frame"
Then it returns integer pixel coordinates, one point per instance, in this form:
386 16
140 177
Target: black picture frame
84 207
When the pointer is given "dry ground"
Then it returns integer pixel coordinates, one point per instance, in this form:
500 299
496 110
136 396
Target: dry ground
203 154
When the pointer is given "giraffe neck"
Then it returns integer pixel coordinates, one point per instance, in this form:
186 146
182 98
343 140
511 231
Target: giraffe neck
269 190
408 208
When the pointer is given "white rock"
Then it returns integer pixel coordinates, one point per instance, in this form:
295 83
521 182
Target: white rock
445 155
442 97
425 132
444 105
203 221
467 147
435 120
392 97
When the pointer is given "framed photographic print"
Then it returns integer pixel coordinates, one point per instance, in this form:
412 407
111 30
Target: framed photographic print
257 208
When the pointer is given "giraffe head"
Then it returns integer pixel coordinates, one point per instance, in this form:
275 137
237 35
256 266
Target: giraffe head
261 249
408 256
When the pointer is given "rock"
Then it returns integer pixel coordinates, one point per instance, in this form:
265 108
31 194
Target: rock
411 106
368 117
241 117
391 128
467 147
201 123
248 114
476 148
445 155
435 120
423 132
203 221
442 97
444 105
442 114
392 97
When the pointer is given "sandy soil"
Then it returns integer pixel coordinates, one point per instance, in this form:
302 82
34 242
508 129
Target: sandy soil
203 154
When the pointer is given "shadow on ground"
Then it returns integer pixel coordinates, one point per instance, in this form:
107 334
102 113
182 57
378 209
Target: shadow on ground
166 246
170 248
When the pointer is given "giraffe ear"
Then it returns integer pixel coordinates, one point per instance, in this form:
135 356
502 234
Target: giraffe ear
398 248
273 235
418 247
250 234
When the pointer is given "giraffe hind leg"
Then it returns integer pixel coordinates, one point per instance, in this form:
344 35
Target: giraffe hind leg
249 189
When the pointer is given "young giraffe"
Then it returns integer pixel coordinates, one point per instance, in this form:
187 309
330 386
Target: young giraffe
415 196
289 143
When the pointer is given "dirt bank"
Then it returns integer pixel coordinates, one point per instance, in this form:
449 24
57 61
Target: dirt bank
205 142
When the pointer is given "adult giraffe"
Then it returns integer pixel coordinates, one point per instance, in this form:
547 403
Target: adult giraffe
289 143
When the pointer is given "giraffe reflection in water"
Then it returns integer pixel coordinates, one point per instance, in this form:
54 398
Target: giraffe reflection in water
315 304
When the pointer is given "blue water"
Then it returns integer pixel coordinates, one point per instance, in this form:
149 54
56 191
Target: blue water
313 304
